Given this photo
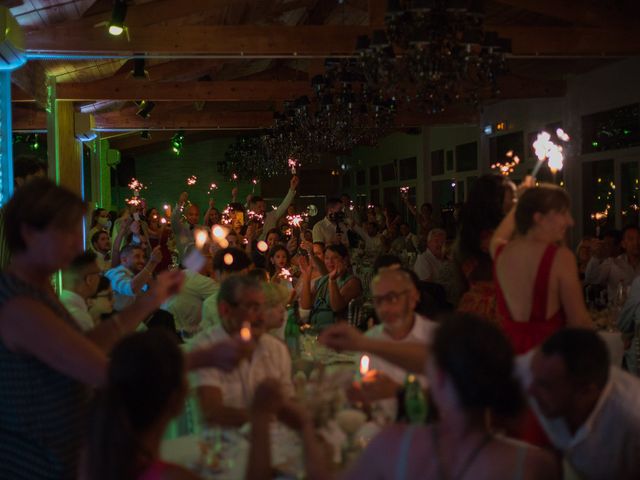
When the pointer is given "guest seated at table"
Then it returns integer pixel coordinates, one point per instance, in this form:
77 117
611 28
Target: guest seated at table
275 308
611 272
100 222
225 397
186 306
537 284
430 263
101 304
145 389
470 373
101 245
588 408
583 254
133 275
80 280
395 298
629 324
237 263
411 239
330 298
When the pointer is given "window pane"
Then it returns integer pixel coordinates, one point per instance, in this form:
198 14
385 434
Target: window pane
467 157
629 192
437 162
598 197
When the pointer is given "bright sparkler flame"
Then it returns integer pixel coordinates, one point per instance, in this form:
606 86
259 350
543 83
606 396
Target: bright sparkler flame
293 164
285 274
192 180
545 149
135 185
506 168
295 220
212 188
234 176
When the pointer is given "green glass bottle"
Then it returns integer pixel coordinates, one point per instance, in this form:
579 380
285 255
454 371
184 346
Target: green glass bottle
415 403
292 330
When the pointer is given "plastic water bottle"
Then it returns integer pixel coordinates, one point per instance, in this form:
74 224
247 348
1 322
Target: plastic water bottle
415 403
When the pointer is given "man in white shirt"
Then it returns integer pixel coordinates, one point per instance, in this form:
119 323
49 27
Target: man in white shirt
131 277
429 264
239 264
589 409
611 272
184 232
395 298
225 397
370 235
330 231
259 206
80 281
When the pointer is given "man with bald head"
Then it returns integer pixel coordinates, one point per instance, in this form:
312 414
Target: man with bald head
395 298
184 231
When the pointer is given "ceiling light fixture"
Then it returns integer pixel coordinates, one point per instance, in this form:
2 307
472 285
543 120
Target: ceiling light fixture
118 14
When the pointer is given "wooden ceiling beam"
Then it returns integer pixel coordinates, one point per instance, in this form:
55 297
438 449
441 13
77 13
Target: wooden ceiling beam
230 91
511 86
31 120
250 41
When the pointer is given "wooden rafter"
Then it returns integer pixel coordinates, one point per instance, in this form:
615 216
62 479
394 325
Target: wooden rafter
306 41
253 90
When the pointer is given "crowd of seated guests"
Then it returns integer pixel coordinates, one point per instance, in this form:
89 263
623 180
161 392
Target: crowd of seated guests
103 353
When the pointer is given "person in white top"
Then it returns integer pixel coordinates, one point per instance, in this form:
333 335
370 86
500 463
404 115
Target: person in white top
611 272
225 397
101 245
395 298
186 305
430 263
259 206
330 231
370 235
80 280
589 409
239 264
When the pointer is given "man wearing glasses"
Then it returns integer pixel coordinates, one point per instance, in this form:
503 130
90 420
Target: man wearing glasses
225 397
80 281
395 298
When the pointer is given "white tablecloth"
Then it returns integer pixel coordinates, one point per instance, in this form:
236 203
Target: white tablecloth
615 345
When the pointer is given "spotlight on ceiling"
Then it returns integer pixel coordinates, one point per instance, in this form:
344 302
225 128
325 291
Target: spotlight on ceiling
118 14
138 71
145 108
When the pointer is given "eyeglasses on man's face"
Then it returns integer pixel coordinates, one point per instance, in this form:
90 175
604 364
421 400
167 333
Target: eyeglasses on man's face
392 298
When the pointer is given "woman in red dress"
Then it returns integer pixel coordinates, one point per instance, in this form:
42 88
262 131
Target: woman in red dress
538 290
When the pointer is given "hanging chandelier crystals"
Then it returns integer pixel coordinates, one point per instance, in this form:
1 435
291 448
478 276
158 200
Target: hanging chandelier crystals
434 53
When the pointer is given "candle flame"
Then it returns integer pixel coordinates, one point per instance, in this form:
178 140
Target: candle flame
364 365
245 332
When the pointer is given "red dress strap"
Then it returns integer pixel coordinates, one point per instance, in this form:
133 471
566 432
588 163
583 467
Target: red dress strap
541 285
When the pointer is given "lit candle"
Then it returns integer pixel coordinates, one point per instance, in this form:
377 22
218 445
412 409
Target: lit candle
364 365
263 246
245 332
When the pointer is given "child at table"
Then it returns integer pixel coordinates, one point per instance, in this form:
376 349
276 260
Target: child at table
146 388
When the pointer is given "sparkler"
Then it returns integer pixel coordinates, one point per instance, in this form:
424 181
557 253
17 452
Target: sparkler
293 164
285 274
212 188
136 186
163 221
404 191
295 220
545 149
234 177
506 168
255 216
191 181
254 182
